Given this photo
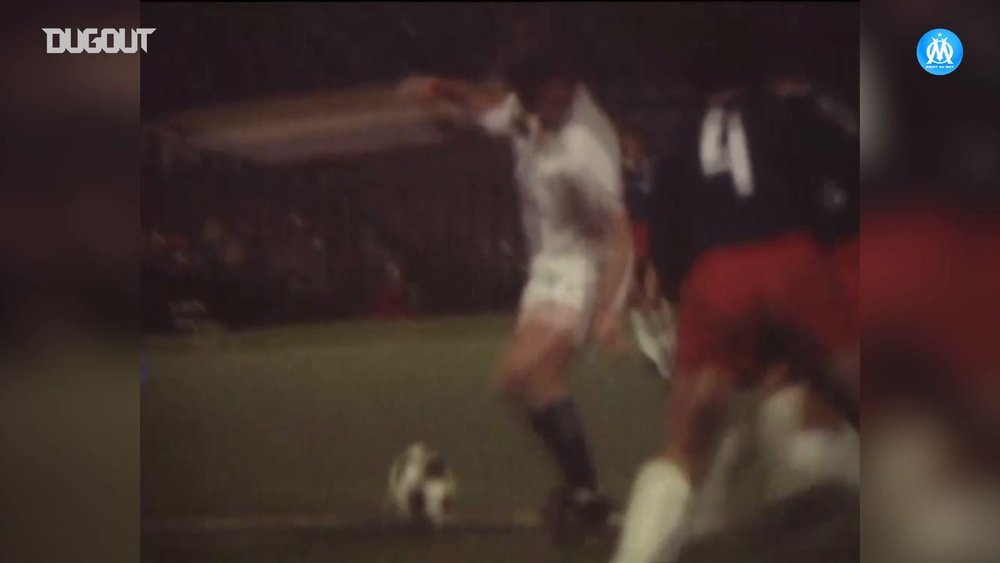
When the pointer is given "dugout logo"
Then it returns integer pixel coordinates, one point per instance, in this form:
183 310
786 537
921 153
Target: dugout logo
939 52
93 40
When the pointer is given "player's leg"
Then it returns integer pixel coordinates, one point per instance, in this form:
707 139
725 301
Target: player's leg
533 372
803 424
812 298
713 507
533 375
716 302
663 490
804 441
828 446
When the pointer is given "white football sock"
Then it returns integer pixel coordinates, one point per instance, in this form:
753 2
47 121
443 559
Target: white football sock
818 455
656 509
799 459
779 418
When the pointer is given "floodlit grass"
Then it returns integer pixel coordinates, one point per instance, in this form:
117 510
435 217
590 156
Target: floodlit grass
308 419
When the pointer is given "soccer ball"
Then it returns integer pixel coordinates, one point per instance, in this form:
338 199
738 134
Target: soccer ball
421 486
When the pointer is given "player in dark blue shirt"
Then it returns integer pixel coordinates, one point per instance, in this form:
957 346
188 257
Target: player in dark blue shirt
747 215
753 165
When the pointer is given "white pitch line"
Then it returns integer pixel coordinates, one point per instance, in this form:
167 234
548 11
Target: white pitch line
292 521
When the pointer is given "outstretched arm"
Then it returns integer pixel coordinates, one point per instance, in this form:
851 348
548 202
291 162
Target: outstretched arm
472 98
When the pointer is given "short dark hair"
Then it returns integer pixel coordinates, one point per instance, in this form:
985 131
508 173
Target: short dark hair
529 69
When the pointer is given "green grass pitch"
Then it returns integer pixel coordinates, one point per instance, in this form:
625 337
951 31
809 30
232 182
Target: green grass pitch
305 421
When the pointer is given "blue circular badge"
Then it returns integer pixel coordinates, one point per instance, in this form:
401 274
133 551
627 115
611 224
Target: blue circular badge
939 52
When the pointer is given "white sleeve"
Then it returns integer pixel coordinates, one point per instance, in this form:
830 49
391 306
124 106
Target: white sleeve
499 120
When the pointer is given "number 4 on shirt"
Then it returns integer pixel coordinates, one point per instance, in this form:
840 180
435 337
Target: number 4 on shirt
724 149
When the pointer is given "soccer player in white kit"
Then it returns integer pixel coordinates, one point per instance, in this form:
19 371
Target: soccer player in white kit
568 169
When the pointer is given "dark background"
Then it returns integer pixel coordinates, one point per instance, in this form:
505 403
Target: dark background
315 241
221 52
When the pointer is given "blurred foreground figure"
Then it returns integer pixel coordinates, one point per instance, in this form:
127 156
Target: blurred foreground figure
567 165
929 279
930 273
749 221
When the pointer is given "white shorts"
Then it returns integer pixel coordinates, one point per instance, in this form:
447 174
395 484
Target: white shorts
561 288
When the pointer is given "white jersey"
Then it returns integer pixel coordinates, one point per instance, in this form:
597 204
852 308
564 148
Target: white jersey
570 180
570 183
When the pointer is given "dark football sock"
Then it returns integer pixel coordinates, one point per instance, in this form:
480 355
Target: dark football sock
558 425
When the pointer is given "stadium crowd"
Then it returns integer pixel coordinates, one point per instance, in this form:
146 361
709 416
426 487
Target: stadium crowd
264 267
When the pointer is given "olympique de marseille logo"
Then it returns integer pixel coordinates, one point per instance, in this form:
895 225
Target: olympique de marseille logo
939 52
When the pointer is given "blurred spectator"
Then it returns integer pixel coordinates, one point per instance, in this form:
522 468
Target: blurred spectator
257 246
393 296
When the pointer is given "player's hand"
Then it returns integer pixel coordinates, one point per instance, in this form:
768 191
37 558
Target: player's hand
420 88
607 332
